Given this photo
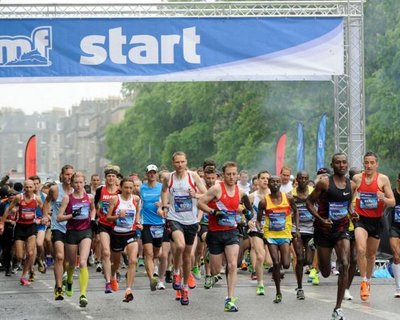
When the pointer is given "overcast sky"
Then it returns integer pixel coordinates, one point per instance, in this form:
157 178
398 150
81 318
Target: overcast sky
44 96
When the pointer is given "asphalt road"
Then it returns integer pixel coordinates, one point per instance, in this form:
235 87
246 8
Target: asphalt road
37 300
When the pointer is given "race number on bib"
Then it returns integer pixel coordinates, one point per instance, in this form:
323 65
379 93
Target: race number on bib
338 210
304 214
277 221
80 211
397 214
183 203
157 232
368 200
28 213
227 218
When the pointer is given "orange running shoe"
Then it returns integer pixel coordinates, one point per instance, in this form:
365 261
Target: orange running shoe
364 290
244 266
184 296
114 285
176 281
191 281
178 295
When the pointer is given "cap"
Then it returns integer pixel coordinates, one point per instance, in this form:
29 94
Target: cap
323 171
12 192
151 167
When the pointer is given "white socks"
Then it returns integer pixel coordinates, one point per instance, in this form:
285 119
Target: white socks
396 273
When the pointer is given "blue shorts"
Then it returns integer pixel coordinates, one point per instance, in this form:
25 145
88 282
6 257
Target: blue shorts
278 241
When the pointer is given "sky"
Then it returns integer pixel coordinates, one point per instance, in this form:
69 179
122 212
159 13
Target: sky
39 97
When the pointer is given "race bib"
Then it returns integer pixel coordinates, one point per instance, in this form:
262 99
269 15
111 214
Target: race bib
304 214
125 224
204 218
28 213
277 221
80 211
157 232
397 214
183 203
227 219
368 200
104 207
338 210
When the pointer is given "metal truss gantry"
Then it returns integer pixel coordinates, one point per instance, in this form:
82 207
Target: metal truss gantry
349 120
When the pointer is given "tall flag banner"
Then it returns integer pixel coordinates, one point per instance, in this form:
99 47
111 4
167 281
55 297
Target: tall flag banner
300 147
280 153
321 135
30 157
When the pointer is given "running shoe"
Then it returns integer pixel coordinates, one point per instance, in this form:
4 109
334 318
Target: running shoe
49 261
196 272
230 305
153 284
91 259
219 277
83 301
260 291
155 273
335 271
68 290
24 281
311 274
184 297
114 285
178 295
300 294
253 276
160 285
108 288
364 290
58 294
191 281
99 267
168 276
176 281
118 276
315 280
397 293
278 298
244 266
141 262
41 266
128 295
338 314
209 282
8 272
347 295
31 276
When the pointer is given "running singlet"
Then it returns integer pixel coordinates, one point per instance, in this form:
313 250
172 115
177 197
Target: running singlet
149 197
229 206
334 205
126 224
256 201
306 219
55 207
278 218
27 210
183 208
80 209
367 203
104 203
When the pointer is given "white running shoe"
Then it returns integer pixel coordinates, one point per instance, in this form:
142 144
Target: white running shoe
397 293
347 295
160 285
338 314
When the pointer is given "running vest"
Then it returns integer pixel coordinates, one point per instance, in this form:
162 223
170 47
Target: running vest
306 219
104 203
80 208
256 201
334 205
367 203
27 210
229 205
396 209
126 224
278 218
183 208
149 197
55 207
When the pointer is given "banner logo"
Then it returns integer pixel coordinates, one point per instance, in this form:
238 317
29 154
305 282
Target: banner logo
24 51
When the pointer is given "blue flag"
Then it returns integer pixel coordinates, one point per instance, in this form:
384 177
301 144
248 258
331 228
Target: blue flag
321 142
300 147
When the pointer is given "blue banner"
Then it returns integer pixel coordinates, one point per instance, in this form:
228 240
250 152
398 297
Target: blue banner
300 147
321 135
170 49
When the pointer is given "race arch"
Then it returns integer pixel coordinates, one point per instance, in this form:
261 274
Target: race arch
195 41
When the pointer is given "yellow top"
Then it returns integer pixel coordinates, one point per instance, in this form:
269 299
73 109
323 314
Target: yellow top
278 220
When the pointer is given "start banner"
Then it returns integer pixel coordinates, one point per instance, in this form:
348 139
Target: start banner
170 49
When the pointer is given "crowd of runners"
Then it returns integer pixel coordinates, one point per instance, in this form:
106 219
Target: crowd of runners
188 224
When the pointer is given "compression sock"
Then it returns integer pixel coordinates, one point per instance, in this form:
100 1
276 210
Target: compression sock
83 280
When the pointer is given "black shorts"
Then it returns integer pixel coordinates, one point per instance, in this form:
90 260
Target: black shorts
120 241
104 228
189 231
57 235
153 234
242 228
218 240
76 236
257 234
374 226
203 230
24 231
329 240
394 231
